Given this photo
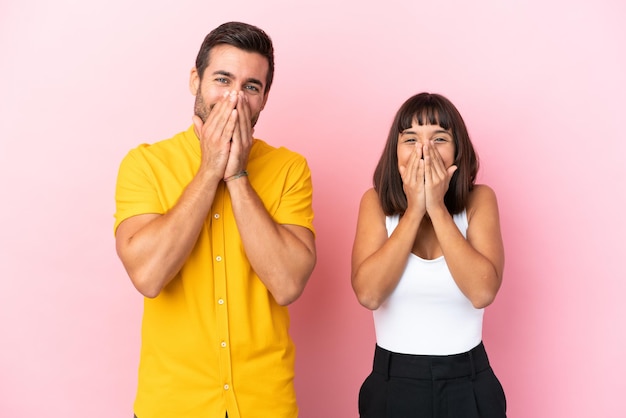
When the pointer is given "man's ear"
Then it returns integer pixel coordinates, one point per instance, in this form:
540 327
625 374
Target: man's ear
194 81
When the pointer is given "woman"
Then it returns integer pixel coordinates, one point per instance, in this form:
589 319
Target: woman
427 259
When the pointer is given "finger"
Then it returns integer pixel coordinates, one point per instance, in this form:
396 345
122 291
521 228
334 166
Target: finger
244 115
421 171
437 165
230 126
421 163
413 163
439 159
244 124
220 114
197 123
216 110
428 164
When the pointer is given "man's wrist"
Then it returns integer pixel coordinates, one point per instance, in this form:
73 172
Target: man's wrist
242 173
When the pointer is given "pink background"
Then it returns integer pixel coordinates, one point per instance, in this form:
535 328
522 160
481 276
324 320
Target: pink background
541 85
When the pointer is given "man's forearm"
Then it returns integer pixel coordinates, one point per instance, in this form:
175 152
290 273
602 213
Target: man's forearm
283 256
154 247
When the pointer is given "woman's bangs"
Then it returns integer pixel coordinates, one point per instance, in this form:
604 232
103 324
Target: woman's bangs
425 114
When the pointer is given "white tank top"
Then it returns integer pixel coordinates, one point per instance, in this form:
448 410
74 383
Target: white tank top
427 313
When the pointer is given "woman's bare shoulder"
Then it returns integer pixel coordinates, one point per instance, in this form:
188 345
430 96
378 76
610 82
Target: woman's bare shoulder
481 197
482 191
370 204
370 194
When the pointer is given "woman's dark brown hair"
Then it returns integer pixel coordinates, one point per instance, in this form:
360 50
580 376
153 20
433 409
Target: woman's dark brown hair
427 109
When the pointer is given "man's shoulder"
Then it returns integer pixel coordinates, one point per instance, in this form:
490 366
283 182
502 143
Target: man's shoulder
262 149
171 145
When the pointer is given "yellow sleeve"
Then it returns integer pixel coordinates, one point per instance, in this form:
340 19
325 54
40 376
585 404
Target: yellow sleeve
135 191
296 204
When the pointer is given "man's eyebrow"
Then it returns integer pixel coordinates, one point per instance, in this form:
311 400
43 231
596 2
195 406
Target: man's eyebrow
224 73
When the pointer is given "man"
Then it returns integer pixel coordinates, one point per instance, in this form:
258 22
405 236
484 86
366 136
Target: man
214 228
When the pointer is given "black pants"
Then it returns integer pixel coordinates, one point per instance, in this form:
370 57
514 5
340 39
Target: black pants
410 386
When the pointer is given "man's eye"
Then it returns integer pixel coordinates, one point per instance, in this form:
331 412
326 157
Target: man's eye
252 88
221 80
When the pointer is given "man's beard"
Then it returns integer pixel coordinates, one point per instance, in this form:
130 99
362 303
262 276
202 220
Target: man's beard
201 109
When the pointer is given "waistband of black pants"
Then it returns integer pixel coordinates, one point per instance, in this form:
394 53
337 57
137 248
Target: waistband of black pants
413 366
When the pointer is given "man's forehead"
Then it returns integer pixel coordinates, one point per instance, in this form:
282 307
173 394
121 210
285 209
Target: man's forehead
234 60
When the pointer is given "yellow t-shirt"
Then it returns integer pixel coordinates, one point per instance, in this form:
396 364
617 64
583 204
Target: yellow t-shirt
215 340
